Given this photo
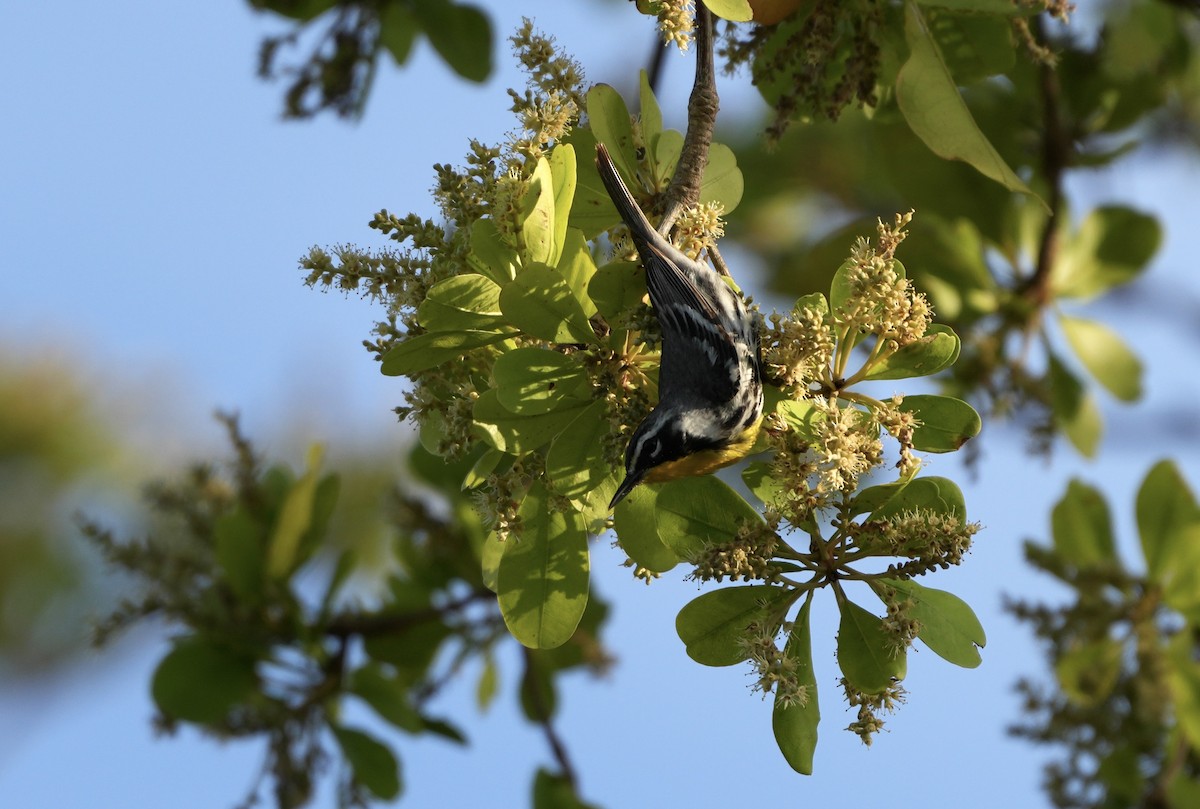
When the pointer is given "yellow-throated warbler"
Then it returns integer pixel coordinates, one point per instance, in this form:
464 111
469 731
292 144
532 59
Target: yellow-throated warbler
709 382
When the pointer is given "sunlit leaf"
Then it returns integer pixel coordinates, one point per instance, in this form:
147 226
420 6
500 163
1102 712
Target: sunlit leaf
637 531
575 463
714 626
933 352
514 434
490 254
1165 505
429 350
617 287
795 723
577 268
930 102
543 576
466 302
609 120
948 625
533 381
732 10
694 512
562 171
946 423
539 302
295 517
867 654
537 216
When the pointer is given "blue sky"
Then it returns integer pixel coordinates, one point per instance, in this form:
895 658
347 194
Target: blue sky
152 209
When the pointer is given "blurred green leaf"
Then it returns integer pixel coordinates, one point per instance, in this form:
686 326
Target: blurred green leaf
532 381
485 690
543 576
374 764
387 695
1075 410
240 545
946 423
1088 671
933 108
715 625
1183 678
200 680
1105 355
552 791
795 724
948 625
539 302
974 46
295 517
461 34
1112 247
868 655
1165 506
397 30
1081 527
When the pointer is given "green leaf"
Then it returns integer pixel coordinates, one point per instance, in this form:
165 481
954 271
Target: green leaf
715 625
609 120
397 30
468 302
936 113
491 255
1075 410
948 625
539 302
575 463
514 434
866 653
732 10
562 172
935 351
490 556
802 416
937 494
1112 247
637 531
1088 671
412 650
757 477
461 34
1005 7
873 498
295 517
577 268
388 696
374 764
695 512
1081 526
946 423
486 689
1106 357
543 576
592 211
538 226
200 680
240 542
651 118
975 46
1165 506
429 350
532 381
1180 574
1183 679
617 287
722 181
552 791
795 724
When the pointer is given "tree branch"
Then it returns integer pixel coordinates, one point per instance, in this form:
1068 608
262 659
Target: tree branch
703 104
552 738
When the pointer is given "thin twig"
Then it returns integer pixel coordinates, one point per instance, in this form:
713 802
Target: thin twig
382 623
552 738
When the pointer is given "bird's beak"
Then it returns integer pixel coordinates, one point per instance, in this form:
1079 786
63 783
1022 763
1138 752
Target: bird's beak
625 488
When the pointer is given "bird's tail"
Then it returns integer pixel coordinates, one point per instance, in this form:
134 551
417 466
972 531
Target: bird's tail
630 211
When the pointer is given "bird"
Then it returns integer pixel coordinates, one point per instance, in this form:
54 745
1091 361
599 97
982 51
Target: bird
710 395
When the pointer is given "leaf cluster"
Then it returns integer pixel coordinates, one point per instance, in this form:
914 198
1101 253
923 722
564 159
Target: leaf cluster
1125 701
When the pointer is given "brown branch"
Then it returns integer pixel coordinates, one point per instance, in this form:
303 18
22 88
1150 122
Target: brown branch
703 104
383 623
1056 156
552 738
